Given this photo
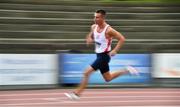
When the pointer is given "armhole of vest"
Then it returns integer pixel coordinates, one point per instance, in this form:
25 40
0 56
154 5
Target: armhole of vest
106 29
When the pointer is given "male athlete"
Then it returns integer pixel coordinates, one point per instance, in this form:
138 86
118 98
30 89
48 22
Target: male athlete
102 34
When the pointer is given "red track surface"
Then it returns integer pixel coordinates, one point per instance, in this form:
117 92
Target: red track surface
93 98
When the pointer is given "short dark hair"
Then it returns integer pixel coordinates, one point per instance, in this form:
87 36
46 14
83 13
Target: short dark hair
103 12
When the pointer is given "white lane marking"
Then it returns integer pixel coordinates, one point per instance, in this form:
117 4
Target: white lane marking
108 92
94 102
144 106
87 97
47 99
92 91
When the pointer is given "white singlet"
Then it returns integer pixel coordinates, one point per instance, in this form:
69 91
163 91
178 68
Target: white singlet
102 44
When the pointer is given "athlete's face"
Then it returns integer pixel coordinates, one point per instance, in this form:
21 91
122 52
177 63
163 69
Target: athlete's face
98 18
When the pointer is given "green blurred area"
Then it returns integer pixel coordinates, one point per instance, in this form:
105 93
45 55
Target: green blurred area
54 25
144 1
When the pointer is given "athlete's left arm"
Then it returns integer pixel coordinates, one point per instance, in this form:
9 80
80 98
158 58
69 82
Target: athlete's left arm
117 35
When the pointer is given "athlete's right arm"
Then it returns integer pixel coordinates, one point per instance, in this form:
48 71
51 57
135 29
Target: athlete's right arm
89 37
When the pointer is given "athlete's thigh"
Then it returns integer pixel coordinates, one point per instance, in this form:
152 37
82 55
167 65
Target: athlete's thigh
89 70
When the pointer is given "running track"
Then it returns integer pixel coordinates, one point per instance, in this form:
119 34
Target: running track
135 97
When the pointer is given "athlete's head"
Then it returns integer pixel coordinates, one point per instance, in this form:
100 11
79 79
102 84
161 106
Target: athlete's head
99 16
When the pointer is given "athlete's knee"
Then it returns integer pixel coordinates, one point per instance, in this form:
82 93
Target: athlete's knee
87 73
108 79
107 76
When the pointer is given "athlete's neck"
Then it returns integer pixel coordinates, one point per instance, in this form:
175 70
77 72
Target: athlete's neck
101 26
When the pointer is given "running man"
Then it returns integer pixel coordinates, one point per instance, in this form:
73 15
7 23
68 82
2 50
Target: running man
102 34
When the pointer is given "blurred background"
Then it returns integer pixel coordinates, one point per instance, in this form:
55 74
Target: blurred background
42 42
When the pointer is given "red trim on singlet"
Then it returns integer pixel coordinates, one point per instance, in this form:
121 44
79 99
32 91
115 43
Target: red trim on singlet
109 41
108 45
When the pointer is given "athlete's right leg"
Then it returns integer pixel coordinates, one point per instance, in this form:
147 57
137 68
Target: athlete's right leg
84 81
110 76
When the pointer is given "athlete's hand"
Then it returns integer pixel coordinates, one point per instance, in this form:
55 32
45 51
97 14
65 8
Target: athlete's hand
112 53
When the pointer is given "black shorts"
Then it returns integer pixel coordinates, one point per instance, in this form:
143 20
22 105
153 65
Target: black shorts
101 62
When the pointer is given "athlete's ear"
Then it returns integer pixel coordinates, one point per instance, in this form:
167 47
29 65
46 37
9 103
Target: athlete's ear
103 16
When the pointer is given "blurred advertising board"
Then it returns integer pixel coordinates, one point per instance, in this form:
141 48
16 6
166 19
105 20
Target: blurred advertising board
27 69
166 65
73 65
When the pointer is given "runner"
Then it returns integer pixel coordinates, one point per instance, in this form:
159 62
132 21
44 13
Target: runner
102 34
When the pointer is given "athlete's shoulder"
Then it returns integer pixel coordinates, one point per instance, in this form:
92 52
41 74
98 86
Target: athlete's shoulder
93 27
110 29
112 32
